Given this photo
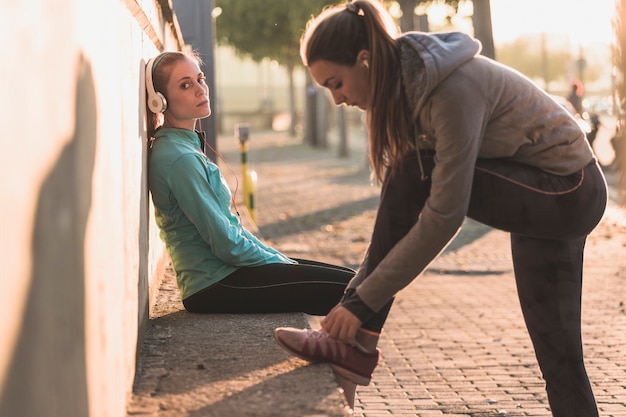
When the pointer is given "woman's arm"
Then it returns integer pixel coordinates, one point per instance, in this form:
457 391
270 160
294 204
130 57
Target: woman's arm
205 199
457 115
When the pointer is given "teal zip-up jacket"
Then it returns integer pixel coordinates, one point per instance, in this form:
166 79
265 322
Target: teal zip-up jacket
192 204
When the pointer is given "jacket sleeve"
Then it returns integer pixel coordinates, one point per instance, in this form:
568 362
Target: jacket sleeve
254 239
457 129
205 199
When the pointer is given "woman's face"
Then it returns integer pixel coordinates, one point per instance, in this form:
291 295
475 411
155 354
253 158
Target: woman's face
348 85
187 95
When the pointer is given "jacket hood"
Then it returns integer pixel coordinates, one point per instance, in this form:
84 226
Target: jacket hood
428 58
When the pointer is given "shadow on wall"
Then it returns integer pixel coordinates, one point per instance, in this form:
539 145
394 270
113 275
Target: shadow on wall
47 375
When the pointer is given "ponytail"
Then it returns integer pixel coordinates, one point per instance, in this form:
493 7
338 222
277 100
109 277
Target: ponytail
337 35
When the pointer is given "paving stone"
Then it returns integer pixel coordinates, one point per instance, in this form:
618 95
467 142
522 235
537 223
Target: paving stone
455 340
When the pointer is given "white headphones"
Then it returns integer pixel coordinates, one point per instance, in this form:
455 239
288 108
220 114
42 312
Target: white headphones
156 101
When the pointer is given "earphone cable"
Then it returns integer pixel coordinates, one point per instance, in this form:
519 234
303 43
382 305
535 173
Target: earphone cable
205 144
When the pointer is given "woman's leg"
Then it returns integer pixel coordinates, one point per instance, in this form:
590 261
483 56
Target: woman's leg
310 287
402 199
549 218
521 199
549 283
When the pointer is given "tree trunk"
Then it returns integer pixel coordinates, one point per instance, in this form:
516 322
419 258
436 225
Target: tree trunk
407 21
310 111
321 138
343 132
422 23
482 27
292 101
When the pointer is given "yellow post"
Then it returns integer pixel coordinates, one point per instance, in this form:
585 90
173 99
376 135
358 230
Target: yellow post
242 131
250 181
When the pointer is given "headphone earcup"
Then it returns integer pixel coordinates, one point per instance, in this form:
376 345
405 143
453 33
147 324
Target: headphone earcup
156 101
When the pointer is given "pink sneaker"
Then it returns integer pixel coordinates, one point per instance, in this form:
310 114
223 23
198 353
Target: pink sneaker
318 346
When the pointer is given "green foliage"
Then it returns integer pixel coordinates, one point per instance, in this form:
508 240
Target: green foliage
261 29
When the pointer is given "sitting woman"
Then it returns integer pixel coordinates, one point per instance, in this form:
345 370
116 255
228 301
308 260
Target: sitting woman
220 266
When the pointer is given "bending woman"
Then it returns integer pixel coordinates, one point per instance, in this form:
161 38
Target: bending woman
455 134
220 266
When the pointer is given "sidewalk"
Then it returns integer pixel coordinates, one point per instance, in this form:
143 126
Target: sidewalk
454 344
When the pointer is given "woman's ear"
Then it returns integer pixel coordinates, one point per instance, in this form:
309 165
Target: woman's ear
363 58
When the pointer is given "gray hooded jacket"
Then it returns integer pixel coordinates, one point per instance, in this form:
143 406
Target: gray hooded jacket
465 106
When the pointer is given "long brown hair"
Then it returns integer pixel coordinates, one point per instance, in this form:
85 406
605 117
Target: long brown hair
337 35
161 70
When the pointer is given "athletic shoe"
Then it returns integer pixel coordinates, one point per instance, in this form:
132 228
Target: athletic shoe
319 346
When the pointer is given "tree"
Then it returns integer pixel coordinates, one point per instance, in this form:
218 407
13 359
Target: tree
481 20
409 21
483 30
261 29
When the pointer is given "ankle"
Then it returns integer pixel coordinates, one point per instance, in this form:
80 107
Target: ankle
367 340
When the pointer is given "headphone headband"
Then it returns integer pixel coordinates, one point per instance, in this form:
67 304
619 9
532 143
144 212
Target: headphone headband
156 101
158 59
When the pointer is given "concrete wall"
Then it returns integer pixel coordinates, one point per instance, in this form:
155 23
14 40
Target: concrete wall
80 252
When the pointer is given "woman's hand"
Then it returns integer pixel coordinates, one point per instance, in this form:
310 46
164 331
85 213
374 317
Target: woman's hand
341 324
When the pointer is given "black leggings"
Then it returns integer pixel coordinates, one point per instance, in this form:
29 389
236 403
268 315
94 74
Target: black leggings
309 287
549 218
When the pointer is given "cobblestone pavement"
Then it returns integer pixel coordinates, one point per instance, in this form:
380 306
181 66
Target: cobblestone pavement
455 342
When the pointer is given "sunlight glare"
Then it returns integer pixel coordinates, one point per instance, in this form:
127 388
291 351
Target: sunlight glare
583 21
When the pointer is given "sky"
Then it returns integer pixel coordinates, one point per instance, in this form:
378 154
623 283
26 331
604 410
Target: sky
586 21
